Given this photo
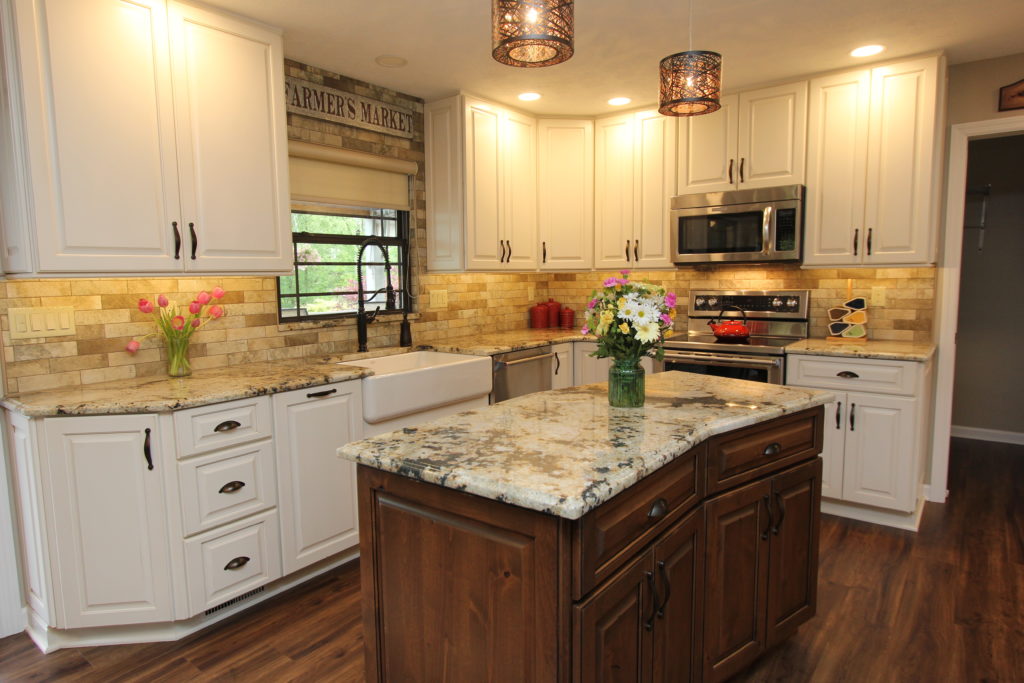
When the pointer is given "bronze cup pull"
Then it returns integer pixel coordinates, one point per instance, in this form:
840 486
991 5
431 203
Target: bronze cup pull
659 508
231 486
773 449
237 563
227 426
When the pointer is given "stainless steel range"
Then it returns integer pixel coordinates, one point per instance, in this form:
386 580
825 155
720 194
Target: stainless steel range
775 318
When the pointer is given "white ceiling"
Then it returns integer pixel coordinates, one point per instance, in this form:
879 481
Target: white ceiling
619 43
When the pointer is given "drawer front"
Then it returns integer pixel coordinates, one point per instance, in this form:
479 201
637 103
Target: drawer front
208 428
748 453
232 560
608 536
221 487
853 374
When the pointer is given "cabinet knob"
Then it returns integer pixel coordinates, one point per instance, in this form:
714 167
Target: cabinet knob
237 563
659 508
231 486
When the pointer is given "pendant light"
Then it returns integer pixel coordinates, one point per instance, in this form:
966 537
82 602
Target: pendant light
691 81
531 33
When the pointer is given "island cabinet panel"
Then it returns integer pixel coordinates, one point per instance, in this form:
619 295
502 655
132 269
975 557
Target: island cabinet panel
457 587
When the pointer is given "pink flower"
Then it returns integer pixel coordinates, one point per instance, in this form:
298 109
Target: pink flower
670 299
178 322
610 282
591 304
145 306
132 347
625 273
162 300
196 322
217 292
195 307
585 330
666 319
216 311
203 298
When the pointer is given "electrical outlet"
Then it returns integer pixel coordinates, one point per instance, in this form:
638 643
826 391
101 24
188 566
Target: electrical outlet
44 321
878 296
439 298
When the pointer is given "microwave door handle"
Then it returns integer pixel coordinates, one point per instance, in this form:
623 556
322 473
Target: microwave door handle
766 231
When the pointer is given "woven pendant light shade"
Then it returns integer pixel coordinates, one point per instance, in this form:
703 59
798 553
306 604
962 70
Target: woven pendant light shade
691 83
532 33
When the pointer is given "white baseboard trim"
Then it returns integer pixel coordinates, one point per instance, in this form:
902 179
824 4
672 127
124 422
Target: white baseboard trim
981 434
910 521
50 639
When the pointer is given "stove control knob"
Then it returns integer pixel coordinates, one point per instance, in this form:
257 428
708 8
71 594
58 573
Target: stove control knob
776 302
792 303
712 301
699 302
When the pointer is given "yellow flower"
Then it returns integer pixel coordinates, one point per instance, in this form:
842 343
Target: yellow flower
624 328
607 316
621 302
672 313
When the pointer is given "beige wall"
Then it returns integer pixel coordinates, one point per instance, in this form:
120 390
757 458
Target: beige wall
989 362
974 88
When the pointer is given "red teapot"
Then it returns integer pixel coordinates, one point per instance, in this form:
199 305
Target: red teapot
731 329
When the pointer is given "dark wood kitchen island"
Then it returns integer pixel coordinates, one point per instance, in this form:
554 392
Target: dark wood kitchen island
554 538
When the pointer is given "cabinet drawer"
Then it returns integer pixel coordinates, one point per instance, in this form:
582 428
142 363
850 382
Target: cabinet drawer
227 485
752 452
208 428
608 536
232 560
853 374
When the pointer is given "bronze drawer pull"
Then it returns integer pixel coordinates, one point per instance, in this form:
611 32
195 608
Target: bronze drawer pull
237 563
649 621
668 589
773 448
147 451
321 394
227 426
846 374
231 486
659 508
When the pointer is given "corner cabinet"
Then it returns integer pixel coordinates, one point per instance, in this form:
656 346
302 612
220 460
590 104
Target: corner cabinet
873 165
565 193
176 163
634 177
757 139
481 188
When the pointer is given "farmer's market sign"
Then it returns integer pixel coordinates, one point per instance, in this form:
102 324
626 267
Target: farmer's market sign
321 102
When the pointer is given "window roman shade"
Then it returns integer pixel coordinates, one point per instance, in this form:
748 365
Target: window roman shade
339 176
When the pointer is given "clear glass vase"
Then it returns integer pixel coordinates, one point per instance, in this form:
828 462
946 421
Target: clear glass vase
177 357
626 383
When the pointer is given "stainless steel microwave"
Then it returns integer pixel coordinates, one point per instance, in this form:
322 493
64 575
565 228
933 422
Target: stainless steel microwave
759 225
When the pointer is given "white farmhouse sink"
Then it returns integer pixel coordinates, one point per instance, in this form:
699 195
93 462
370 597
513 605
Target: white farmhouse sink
421 381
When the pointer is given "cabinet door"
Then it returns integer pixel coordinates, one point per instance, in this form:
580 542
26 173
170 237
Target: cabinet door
736 579
561 369
566 193
793 562
837 153
232 143
316 488
773 136
101 159
109 520
901 158
707 150
614 626
483 187
655 168
613 192
833 446
878 462
679 564
445 186
519 186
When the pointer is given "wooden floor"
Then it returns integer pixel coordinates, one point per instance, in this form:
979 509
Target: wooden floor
945 604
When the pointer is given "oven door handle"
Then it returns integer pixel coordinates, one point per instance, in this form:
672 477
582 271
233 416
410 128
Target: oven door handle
735 361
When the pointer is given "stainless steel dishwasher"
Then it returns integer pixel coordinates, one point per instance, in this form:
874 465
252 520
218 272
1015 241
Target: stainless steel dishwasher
522 372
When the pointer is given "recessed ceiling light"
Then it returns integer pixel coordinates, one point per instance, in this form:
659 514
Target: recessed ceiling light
619 101
391 61
867 50
529 96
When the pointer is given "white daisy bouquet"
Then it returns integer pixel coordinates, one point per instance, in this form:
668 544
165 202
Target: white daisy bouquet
629 318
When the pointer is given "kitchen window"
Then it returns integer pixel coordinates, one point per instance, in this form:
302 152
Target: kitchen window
326 241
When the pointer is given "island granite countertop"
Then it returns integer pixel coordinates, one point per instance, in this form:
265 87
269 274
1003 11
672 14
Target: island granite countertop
565 452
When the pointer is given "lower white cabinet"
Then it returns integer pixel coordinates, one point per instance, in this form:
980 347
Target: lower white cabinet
562 368
587 369
317 489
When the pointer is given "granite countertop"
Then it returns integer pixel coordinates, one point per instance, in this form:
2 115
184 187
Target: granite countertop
514 340
882 350
565 452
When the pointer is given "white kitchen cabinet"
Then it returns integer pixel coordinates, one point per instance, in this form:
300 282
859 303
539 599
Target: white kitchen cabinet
481 168
874 137
874 441
158 170
562 367
634 177
565 193
757 139
588 370
317 489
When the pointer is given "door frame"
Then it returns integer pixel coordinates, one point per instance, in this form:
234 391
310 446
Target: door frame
948 301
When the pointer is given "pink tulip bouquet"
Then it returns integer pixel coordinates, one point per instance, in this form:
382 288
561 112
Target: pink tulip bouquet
177 324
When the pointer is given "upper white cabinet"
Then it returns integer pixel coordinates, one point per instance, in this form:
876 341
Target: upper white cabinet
565 194
481 174
757 139
873 136
634 177
174 161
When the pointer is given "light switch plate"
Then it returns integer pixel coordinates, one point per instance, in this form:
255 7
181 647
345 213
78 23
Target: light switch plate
878 296
44 321
438 298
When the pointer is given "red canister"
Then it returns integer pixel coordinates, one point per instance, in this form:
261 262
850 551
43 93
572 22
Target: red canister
554 308
539 316
567 318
